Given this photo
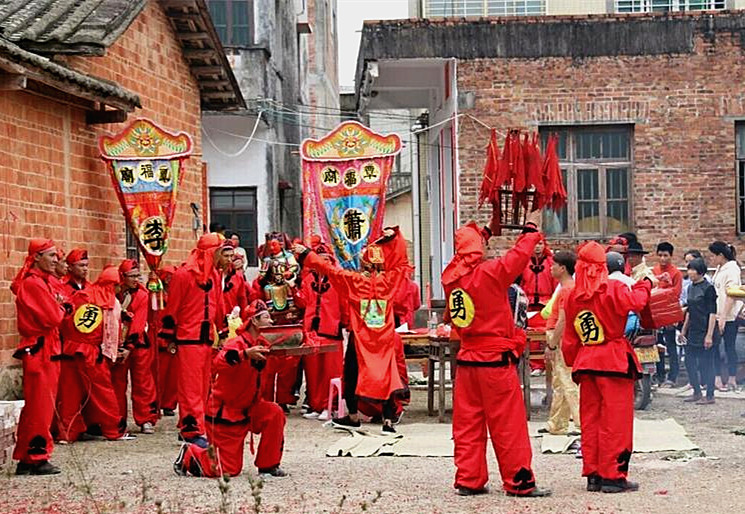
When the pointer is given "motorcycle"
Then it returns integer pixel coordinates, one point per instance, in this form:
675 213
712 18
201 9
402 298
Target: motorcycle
648 353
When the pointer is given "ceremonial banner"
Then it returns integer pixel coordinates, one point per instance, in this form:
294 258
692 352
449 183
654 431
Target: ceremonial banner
145 164
345 175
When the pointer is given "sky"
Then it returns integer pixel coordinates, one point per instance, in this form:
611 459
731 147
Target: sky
350 15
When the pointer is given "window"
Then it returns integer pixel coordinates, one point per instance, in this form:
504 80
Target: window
233 20
484 7
132 250
596 168
236 209
740 148
623 6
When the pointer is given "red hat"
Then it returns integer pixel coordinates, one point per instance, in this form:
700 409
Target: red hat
469 251
201 259
255 308
591 271
128 265
76 255
315 240
102 292
35 247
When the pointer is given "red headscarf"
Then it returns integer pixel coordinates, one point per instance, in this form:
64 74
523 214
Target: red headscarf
35 246
128 265
592 271
315 240
76 255
102 292
255 308
469 252
201 260
166 271
60 254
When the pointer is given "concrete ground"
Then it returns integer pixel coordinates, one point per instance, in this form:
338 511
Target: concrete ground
137 476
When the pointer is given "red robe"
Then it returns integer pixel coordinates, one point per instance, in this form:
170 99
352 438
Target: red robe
39 316
488 392
539 286
139 364
192 311
406 303
89 398
370 299
235 291
167 368
323 307
235 409
605 366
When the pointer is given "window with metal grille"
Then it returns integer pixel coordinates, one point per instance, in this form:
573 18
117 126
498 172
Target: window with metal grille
623 6
740 148
484 7
233 20
235 207
132 250
596 165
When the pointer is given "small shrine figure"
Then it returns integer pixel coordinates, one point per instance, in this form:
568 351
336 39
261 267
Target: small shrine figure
278 274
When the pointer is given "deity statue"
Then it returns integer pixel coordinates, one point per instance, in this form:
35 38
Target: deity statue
277 274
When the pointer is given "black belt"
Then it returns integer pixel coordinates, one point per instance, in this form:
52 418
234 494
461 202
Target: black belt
29 350
62 357
221 421
192 342
508 359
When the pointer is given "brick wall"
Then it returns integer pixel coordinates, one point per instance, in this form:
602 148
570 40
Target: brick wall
52 182
683 109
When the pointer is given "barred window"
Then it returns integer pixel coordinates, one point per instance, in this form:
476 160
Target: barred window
624 6
596 165
233 20
484 7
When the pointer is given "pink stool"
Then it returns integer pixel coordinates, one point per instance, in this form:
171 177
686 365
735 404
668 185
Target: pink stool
342 405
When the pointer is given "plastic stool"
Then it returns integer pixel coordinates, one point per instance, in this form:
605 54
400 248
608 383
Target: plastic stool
342 405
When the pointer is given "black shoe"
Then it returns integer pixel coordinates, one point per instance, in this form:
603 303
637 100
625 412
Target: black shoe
285 408
178 464
169 412
693 399
276 471
45 468
535 493
543 431
345 422
199 440
618 486
594 483
467 491
388 430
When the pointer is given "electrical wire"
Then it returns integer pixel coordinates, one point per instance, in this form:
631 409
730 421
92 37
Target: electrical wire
243 148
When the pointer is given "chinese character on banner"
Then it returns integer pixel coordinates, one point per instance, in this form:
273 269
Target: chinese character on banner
345 175
145 163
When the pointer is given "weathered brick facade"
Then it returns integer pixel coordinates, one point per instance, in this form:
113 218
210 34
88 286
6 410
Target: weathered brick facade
52 182
683 109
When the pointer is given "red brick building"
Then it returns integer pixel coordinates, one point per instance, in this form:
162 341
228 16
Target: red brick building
69 75
650 108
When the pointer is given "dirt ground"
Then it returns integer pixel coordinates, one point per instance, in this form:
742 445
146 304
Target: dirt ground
137 476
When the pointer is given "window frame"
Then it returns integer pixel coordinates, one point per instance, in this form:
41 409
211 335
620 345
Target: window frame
229 23
740 182
636 6
459 8
247 244
571 164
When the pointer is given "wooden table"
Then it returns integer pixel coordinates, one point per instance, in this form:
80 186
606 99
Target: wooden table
533 335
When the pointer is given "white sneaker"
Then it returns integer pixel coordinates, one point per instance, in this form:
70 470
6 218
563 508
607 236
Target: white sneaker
324 416
310 415
147 428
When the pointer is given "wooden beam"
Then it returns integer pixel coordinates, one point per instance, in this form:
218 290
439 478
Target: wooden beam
206 84
200 53
218 94
193 36
12 82
100 117
167 4
207 70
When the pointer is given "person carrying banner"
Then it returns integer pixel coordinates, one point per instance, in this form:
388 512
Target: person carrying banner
138 362
605 367
235 409
95 325
194 310
39 312
370 367
488 397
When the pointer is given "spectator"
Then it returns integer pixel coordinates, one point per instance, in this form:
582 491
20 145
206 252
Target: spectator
217 228
669 278
726 276
239 250
688 257
698 328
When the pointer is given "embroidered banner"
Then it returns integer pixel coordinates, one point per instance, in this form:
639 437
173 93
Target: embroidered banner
145 163
345 175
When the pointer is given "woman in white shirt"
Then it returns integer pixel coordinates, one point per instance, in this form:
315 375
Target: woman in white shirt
728 275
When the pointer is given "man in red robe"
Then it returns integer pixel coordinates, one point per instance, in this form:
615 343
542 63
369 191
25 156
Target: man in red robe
406 303
167 364
89 398
235 409
370 368
235 289
137 366
539 285
322 324
605 367
194 310
487 395
39 313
